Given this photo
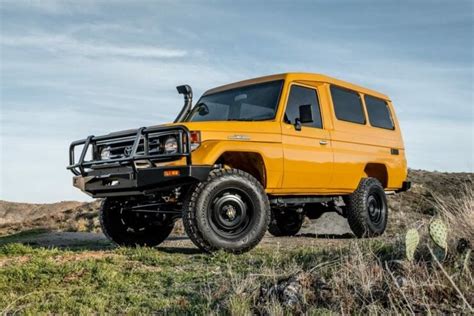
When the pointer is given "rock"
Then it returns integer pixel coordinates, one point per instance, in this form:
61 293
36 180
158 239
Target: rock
288 292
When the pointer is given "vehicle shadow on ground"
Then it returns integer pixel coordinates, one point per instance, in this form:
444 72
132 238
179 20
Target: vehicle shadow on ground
44 238
327 236
174 244
87 241
82 241
180 250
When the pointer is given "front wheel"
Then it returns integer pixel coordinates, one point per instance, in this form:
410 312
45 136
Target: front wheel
229 211
125 227
367 209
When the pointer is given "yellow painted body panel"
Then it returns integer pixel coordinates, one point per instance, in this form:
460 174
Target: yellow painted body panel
296 162
263 138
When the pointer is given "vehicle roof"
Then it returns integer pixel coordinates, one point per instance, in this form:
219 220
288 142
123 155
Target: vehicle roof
299 76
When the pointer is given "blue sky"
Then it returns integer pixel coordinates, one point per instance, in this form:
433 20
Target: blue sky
70 69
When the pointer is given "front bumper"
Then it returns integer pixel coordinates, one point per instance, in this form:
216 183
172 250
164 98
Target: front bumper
122 175
124 181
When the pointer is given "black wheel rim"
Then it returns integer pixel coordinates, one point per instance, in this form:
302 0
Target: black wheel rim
230 213
375 208
133 222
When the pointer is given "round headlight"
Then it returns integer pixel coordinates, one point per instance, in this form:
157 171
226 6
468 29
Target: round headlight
105 153
171 145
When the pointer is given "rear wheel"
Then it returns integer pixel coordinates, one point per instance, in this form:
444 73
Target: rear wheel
285 223
230 211
367 209
128 228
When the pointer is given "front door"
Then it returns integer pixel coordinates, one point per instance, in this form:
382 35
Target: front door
308 156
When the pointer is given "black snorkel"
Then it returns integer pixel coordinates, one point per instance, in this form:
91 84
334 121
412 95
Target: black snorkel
188 102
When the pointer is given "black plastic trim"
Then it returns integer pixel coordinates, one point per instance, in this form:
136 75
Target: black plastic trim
406 185
126 181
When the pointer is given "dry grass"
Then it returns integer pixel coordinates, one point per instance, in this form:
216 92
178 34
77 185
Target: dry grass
374 276
458 213
368 276
360 283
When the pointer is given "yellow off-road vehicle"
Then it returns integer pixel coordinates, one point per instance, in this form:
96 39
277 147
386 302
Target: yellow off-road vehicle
248 157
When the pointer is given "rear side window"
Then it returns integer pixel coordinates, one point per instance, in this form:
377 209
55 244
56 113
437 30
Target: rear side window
303 96
347 105
379 113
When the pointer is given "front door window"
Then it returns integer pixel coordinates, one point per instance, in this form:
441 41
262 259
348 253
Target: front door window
303 96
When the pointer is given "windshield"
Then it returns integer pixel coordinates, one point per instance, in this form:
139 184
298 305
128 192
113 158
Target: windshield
249 103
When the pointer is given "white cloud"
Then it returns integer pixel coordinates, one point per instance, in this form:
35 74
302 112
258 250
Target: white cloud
62 44
55 7
67 96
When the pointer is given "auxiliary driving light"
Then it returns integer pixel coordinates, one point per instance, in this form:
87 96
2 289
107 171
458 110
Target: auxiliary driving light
171 145
105 153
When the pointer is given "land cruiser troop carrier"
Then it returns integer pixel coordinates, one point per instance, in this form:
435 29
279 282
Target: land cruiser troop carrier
247 158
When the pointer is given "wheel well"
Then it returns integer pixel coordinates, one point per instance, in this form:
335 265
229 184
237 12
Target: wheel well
249 162
377 171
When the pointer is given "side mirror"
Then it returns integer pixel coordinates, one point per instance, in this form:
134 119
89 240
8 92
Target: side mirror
298 124
306 114
203 109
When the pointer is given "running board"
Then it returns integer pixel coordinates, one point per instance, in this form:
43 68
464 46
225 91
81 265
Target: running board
283 200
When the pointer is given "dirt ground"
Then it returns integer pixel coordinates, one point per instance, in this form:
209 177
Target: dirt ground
97 241
330 229
75 223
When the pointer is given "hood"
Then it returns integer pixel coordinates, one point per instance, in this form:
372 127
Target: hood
223 130
231 130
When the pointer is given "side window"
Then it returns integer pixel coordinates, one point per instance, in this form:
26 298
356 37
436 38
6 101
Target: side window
379 113
303 96
347 105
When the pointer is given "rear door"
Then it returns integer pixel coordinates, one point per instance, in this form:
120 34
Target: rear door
308 156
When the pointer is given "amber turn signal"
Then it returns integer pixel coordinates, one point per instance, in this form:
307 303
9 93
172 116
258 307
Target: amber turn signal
195 139
171 173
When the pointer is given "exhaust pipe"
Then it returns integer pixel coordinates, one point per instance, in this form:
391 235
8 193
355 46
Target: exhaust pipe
188 102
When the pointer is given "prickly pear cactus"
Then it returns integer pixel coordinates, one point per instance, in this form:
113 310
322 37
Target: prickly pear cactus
412 239
439 233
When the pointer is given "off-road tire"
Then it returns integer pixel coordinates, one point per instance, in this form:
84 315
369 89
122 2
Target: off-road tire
363 221
285 224
115 229
200 208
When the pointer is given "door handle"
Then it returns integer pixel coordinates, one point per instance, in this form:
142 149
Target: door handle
323 142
